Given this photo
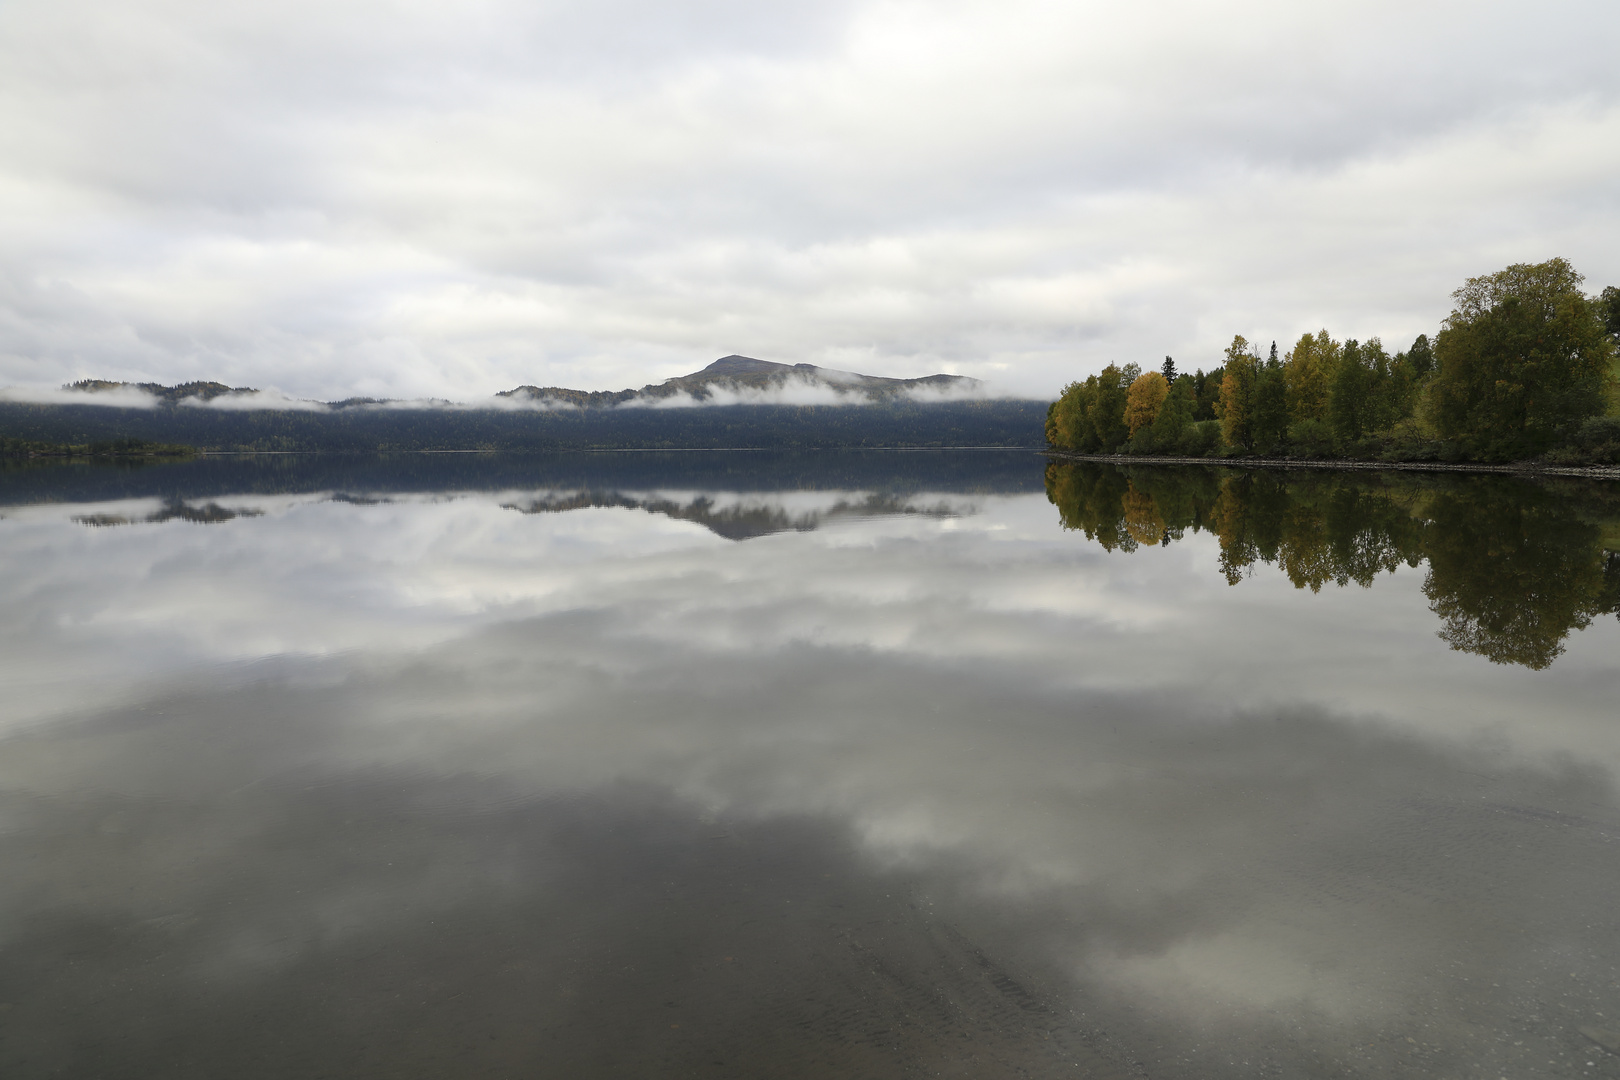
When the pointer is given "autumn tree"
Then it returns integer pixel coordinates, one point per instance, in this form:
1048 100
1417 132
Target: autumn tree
1066 424
1237 394
1523 358
1143 400
1142 520
1309 369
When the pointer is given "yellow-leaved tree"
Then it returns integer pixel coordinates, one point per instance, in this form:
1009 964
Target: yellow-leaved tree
1144 399
1308 373
1237 394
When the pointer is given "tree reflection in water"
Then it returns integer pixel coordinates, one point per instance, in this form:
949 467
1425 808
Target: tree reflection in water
1514 565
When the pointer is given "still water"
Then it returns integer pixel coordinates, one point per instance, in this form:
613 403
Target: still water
854 765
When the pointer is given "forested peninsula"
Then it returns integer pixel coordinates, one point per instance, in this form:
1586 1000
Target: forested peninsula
1524 369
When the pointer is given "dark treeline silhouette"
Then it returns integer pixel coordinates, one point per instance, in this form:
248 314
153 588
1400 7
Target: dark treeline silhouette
991 422
1526 365
1513 566
121 447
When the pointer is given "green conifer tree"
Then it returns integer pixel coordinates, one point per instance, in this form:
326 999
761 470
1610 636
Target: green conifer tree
1270 406
1348 395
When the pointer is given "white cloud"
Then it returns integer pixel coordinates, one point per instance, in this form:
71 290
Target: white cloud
244 401
396 199
116 397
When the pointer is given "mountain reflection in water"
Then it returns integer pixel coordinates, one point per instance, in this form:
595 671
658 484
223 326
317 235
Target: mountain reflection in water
1513 565
174 510
735 519
804 766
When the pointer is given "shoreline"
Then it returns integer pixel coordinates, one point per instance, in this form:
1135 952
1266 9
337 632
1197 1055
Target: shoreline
1594 472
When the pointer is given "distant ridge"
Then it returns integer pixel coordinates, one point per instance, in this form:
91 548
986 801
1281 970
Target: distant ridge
207 391
753 404
744 374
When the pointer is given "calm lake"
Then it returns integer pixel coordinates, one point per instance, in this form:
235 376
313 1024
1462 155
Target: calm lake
842 765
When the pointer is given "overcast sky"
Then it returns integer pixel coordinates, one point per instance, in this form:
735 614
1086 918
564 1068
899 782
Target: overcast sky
396 197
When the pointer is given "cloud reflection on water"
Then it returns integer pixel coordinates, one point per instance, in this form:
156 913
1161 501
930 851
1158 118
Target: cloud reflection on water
1222 808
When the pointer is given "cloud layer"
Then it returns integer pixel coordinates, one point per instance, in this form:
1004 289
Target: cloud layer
400 199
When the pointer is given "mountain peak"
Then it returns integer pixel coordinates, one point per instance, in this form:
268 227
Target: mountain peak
747 365
746 374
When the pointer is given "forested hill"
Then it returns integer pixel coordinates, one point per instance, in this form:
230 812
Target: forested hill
745 377
898 421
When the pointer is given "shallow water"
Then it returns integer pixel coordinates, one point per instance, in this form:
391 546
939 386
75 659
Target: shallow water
819 765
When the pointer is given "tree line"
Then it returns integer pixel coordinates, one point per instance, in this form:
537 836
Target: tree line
1525 366
115 447
990 422
1513 566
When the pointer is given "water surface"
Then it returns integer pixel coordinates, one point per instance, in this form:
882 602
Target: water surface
774 765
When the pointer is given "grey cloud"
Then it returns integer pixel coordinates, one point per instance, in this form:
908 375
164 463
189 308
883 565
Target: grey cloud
404 200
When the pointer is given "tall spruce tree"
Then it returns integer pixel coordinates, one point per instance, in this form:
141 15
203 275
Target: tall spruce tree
1270 406
1382 396
1207 393
1348 394
1175 417
1407 374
